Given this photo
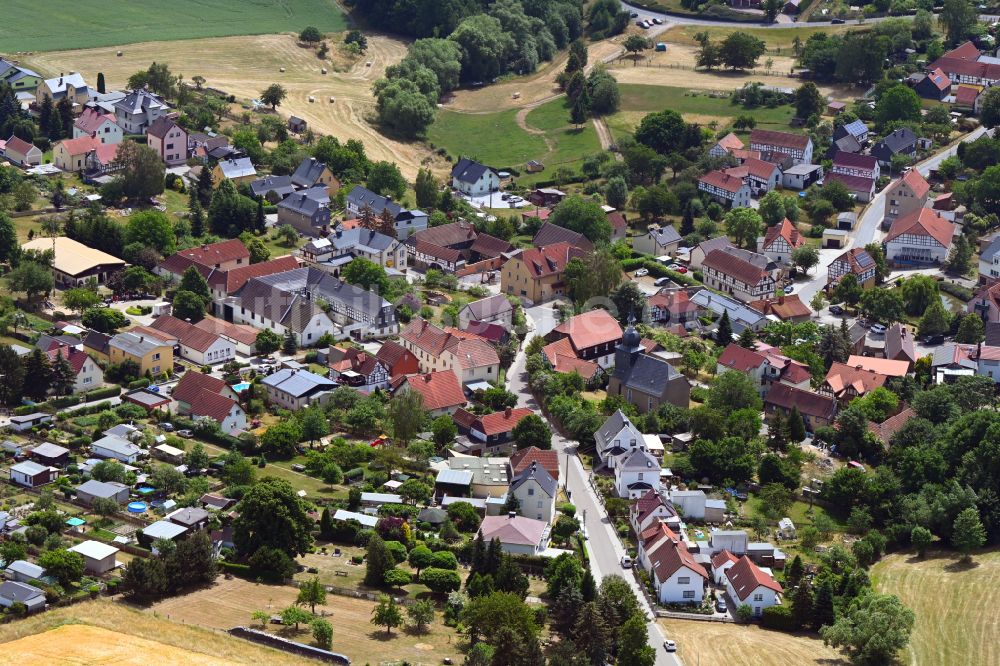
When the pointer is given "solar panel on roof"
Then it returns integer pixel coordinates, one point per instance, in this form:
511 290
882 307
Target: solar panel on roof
864 259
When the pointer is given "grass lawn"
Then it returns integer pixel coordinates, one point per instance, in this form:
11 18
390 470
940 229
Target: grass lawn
747 645
62 25
638 100
572 144
229 603
952 602
282 470
492 138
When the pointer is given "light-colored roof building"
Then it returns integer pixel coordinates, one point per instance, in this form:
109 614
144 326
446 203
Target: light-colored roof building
75 262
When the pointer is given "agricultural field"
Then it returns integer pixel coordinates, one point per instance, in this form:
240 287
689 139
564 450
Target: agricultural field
694 105
511 138
107 632
61 24
746 645
954 604
244 66
229 603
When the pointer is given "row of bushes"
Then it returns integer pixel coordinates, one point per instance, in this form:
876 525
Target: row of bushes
63 401
958 291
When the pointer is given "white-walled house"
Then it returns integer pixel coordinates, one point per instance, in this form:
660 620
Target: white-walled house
87 373
746 583
636 471
677 577
472 178
536 492
651 508
921 237
721 563
689 503
618 435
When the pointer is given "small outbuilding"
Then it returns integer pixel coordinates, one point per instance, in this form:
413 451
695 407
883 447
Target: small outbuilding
297 125
32 475
786 528
98 557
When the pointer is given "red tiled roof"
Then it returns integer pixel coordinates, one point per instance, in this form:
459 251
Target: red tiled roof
723 181
740 358
779 139
923 222
501 422
75 357
734 266
18 145
939 79
785 229
722 557
440 390
234 279
208 255
490 246
883 366
759 168
474 353
241 333
490 332
617 219
807 402
447 235
667 553
955 67
964 96
91 120
782 307
446 254
189 388
854 160
730 142
851 258
83 144
397 359
916 182
212 405
590 329
854 184
563 359
426 336
745 154
107 152
796 373
463 418
521 460
840 376
187 334
549 260
745 577
885 430
965 51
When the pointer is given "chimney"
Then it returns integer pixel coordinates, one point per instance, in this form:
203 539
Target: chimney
506 412
427 377
781 300
511 514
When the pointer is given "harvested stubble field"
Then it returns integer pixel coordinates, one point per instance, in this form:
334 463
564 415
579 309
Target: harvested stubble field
955 605
244 66
229 603
108 632
746 645
71 24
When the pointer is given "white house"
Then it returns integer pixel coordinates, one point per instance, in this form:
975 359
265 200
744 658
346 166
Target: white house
32 475
98 557
779 241
677 577
747 584
721 563
650 509
689 503
658 242
297 389
99 125
731 541
798 146
517 535
88 374
473 178
727 190
921 237
636 472
743 274
118 448
536 492
618 435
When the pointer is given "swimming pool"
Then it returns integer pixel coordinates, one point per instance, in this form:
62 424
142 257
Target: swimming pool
242 386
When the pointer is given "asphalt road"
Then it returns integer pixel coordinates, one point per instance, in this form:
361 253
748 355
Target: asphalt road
604 548
676 19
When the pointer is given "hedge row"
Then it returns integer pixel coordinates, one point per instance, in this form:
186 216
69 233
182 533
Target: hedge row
956 290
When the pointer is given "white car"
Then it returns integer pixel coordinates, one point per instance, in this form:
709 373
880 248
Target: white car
878 329
626 562
669 645
642 272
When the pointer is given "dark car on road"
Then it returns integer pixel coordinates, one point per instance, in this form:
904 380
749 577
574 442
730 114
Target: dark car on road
836 310
934 340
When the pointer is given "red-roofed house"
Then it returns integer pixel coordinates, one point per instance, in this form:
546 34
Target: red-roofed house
732 272
921 237
398 360
102 159
854 164
21 153
241 335
904 196
934 85
968 98
722 561
747 584
784 307
562 359
726 145
357 369
224 255
846 382
619 225
71 154
779 241
817 410
677 577
536 274
196 344
672 307
88 375
799 146
726 189
761 176
517 535
593 336
855 261
491 430
885 430
102 125
862 188
201 395
651 509
441 391
228 282
472 360
747 362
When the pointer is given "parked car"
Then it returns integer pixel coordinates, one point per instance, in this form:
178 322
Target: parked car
167 427
934 339
642 272
626 562
878 329
669 645
837 21
789 288
720 605
662 282
505 196
836 310
682 269
634 15
658 21
186 434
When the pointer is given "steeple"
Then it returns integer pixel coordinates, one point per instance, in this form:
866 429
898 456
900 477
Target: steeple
631 345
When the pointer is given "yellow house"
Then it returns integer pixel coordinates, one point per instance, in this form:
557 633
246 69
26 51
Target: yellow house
313 173
240 170
72 86
151 354
536 274
71 154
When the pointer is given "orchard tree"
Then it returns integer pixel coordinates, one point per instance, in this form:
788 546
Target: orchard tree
386 614
636 44
273 95
272 515
744 224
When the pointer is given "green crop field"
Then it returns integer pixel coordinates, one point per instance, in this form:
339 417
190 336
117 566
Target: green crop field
55 25
499 140
638 100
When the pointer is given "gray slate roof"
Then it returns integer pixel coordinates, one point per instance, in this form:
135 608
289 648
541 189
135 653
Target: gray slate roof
280 185
117 445
991 250
103 489
489 306
647 374
740 315
298 383
15 591
239 167
468 171
307 202
364 239
308 172
137 345
666 235
611 427
138 101
361 196
539 474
